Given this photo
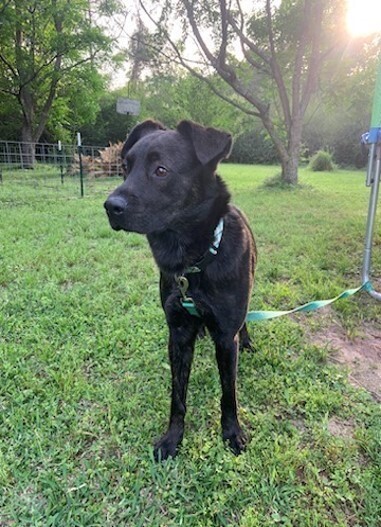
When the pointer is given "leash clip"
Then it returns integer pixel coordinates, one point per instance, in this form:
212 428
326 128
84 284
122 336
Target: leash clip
183 285
186 301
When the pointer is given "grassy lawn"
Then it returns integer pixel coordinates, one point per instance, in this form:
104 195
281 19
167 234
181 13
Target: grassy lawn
85 382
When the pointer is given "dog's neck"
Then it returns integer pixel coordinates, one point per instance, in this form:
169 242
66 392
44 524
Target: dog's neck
191 235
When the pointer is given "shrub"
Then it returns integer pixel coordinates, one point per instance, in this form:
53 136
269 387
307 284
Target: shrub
253 147
322 162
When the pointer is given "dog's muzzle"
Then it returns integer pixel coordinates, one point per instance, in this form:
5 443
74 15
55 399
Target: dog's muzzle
116 208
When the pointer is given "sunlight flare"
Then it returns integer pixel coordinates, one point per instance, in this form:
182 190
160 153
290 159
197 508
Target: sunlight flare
363 17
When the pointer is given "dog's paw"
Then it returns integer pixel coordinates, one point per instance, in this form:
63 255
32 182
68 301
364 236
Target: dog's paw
165 447
244 340
246 345
236 440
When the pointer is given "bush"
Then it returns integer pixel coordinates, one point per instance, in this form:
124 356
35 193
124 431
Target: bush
253 147
322 162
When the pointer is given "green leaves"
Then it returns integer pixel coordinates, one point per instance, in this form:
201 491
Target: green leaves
42 44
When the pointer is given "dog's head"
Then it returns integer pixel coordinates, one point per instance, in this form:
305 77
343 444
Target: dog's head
166 172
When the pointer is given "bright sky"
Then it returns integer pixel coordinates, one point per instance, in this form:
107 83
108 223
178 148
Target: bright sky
364 17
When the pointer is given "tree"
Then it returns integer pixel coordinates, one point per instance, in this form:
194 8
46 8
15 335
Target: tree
169 98
41 43
173 97
109 126
284 47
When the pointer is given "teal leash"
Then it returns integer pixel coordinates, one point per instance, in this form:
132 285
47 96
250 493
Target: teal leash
257 316
252 316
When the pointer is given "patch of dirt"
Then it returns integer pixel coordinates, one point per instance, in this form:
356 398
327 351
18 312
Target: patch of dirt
299 425
360 355
340 428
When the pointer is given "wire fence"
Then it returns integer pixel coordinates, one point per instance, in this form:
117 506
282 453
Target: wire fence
35 171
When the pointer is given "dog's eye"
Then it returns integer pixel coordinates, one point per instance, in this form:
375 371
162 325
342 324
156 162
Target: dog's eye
161 171
125 168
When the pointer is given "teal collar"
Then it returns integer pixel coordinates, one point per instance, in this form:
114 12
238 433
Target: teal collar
210 253
198 267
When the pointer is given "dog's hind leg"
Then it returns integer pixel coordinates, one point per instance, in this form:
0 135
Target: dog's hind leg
244 339
226 353
181 347
201 332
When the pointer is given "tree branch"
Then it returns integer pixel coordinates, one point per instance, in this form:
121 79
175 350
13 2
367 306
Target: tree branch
206 51
224 33
315 59
223 69
50 98
227 73
186 64
221 95
8 65
276 71
245 40
4 7
298 63
9 92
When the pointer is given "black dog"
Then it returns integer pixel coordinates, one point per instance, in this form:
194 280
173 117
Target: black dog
204 249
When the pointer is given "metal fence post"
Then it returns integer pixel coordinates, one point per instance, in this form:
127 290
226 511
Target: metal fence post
373 179
60 158
80 162
21 156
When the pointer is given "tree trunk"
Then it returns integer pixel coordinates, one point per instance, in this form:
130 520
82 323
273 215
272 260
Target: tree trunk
290 162
28 147
290 170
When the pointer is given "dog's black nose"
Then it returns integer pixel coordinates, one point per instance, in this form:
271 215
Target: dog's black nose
115 205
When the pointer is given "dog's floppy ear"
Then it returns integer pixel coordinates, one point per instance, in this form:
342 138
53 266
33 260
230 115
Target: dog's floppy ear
210 144
144 128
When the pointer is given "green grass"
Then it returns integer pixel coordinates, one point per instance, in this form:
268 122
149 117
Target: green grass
48 182
85 382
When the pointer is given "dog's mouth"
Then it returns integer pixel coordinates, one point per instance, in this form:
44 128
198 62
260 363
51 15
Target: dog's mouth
115 227
123 216
128 223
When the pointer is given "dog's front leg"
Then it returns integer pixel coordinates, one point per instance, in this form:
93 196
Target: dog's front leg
181 347
226 353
